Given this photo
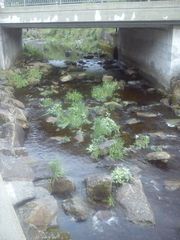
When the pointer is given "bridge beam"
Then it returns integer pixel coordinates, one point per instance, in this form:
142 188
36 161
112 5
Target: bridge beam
155 51
10 46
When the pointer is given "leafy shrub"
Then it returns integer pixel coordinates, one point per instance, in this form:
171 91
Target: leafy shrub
74 97
117 151
104 127
56 170
142 141
104 91
55 109
121 175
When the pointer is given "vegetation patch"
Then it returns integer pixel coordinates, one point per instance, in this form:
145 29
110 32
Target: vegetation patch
56 170
142 141
117 151
121 175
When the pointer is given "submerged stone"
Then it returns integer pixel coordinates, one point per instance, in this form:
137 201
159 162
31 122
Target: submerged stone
76 208
172 185
133 199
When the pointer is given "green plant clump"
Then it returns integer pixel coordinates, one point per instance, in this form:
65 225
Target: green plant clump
104 127
56 170
142 142
94 149
74 97
33 75
121 175
104 91
117 151
47 102
16 79
32 52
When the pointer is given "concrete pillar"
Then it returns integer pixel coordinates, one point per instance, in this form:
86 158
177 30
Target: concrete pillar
10 46
155 51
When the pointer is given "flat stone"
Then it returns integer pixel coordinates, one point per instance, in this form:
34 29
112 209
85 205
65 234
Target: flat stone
99 187
158 156
40 212
173 122
76 208
66 78
133 199
20 191
172 185
13 168
132 121
146 114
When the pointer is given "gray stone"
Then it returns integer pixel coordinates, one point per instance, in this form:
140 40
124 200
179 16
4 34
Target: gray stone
158 156
51 120
20 191
61 140
173 122
113 105
66 78
99 187
41 192
40 212
63 186
20 116
146 114
76 208
133 199
172 185
17 103
132 121
79 136
176 93
13 168
41 171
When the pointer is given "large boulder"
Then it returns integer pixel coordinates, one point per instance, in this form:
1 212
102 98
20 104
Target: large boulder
99 187
40 212
63 186
76 208
133 199
20 191
158 156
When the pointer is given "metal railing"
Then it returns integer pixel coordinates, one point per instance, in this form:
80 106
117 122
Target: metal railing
16 3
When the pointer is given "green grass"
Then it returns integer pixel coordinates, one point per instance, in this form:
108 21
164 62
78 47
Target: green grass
142 142
94 149
31 52
74 97
121 175
105 91
117 151
56 170
47 102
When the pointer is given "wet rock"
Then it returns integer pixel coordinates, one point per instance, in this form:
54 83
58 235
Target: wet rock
146 114
13 168
17 135
175 98
158 156
107 78
133 199
162 135
82 76
41 171
51 120
66 78
173 122
20 191
104 147
20 116
99 188
165 102
113 105
17 103
129 103
61 140
132 121
63 186
41 192
40 212
79 136
172 185
76 208
44 183
131 72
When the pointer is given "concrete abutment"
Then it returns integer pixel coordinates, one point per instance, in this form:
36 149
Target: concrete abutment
154 51
10 46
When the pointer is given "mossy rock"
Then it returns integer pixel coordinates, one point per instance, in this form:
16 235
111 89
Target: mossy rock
56 234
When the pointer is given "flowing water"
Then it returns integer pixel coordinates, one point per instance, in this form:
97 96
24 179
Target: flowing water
77 164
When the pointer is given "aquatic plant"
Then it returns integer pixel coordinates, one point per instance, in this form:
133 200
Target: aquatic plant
105 90
121 175
142 141
74 97
117 151
47 102
56 170
104 127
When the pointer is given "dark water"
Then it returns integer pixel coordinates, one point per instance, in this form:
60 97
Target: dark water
77 164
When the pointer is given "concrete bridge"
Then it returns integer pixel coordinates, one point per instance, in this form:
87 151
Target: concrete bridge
149 30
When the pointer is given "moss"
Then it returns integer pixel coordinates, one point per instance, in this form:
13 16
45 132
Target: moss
56 234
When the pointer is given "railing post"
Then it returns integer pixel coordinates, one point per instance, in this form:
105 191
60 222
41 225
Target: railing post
24 3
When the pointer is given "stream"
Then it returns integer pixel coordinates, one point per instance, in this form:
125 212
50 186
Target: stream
78 164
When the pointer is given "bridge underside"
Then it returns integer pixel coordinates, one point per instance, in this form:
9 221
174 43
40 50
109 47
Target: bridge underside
149 32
